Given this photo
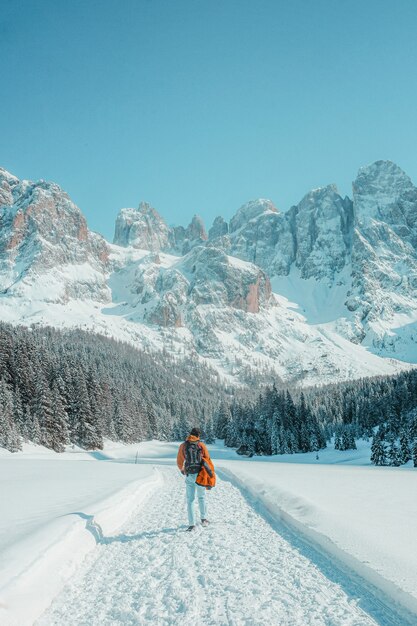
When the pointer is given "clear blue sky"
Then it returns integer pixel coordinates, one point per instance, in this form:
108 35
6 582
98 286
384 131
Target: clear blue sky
201 105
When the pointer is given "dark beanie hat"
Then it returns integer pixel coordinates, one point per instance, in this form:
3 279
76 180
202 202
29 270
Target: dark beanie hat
196 432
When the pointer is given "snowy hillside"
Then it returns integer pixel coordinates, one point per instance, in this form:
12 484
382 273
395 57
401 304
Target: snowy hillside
321 293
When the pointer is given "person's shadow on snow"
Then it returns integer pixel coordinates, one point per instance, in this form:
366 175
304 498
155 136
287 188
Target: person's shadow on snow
95 529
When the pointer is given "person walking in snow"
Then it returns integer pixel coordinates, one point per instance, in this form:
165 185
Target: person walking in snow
194 462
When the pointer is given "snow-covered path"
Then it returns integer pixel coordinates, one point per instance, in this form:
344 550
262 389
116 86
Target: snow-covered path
238 571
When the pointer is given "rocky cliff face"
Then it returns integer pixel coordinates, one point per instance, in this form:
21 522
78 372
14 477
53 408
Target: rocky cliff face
141 228
384 252
42 232
322 229
314 237
367 245
205 276
145 229
219 229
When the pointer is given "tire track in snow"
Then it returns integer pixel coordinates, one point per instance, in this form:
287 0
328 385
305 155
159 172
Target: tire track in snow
236 572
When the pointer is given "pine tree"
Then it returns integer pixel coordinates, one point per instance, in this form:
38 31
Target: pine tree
414 451
233 436
181 428
209 432
41 408
291 442
378 451
348 440
89 435
33 427
56 429
85 427
404 452
393 454
18 412
6 349
289 409
276 442
222 420
9 437
152 420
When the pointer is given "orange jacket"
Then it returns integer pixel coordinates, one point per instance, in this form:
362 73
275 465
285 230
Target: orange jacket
203 477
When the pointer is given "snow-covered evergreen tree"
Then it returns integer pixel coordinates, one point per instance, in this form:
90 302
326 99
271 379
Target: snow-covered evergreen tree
9 436
378 451
209 436
393 454
222 420
414 453
404 451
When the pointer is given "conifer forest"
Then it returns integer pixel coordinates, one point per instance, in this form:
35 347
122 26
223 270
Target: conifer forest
71 387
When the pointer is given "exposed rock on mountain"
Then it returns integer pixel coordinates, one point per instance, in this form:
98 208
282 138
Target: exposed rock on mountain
145 229
7 183
322 228
141 228
384 259
250 211
206 276
219 229
383 192
314 236
182 240
43 238
218 279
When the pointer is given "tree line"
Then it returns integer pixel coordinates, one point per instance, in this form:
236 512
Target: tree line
285 421
69 386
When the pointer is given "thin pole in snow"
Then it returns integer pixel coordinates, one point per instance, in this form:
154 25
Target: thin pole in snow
136 458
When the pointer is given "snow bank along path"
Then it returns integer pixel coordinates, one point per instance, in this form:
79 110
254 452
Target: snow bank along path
34 569
238 571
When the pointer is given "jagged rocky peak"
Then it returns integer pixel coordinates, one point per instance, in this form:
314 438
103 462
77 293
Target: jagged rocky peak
381 176
384 259
322 224
43 231
182 240
325 204
196 229
220 228
141 228
249 211
317 197
382 191
7 183
41 209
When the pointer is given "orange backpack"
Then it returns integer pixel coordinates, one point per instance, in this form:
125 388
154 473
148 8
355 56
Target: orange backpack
206 476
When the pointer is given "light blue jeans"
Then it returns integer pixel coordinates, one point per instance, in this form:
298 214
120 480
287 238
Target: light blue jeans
191 488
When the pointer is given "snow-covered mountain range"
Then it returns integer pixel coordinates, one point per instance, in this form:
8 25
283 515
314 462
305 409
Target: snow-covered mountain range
322 292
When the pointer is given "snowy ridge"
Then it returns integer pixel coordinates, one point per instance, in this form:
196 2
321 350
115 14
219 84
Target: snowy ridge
323 292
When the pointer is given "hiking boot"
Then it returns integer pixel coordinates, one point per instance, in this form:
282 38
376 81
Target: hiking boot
190 528
205 522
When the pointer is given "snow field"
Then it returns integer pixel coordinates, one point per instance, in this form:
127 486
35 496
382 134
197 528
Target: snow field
376 572
361 515
237 571
354 523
